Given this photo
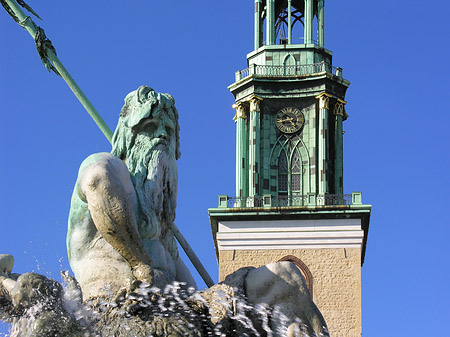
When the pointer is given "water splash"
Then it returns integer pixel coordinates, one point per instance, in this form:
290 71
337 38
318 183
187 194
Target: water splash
145 311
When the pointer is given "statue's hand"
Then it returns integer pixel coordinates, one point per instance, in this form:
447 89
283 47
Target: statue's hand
143 278
143 272
6 264
139 295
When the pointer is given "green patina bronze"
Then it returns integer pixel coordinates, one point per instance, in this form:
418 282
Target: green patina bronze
47 53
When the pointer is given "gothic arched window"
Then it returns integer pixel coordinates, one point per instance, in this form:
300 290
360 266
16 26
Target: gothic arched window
296 173
283 171
282 25
289 171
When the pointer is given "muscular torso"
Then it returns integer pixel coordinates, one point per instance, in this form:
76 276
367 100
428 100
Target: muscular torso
94 261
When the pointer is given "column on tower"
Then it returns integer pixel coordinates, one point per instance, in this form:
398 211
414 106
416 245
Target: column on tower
241 151
258 5
308 21
270 22
339 113
324 103
289 21
254 147
321 23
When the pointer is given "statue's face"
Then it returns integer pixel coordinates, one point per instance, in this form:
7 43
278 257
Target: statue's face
162 130
148 120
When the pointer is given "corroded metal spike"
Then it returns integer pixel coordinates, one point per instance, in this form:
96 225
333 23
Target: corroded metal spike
28 8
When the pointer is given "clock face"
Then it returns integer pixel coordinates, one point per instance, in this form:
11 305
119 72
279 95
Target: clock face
289 120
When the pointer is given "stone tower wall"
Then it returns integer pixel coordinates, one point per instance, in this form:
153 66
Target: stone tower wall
336 282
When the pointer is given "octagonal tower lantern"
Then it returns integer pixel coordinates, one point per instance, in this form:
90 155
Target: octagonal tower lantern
289 22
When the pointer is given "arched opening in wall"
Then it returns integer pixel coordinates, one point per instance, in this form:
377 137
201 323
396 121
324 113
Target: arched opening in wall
297 26
315 29
303 269
263 33
289 61
282 24
289 64
281 27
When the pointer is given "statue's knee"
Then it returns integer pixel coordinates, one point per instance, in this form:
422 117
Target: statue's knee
283 269
279 279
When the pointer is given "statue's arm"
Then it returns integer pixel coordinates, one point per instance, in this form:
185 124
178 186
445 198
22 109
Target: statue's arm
104 184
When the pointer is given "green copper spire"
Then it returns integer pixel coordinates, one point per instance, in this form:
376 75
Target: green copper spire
290 107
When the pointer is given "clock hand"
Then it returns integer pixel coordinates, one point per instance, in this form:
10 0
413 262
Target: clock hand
287 119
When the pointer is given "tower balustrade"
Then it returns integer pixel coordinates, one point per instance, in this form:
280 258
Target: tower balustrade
299 200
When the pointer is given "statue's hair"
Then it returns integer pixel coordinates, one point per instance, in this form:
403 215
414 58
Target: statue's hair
131 144
139 105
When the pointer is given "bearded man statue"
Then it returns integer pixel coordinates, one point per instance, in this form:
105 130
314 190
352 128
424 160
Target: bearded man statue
123 204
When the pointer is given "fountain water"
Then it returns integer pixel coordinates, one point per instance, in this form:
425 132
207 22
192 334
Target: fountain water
41 307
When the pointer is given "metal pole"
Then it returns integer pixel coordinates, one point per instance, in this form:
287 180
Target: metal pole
30 26
192 256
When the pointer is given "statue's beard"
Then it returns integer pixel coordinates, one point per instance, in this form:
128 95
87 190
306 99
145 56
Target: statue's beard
153 169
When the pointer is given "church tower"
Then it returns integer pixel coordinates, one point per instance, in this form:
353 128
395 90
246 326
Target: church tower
290 202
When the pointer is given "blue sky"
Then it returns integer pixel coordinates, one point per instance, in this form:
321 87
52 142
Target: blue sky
396 145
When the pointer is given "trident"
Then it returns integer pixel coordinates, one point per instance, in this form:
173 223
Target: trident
47 53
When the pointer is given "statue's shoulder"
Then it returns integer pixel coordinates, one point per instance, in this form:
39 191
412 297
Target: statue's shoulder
95 158
77 196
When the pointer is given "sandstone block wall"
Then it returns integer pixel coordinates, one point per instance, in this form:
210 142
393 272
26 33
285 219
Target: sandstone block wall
336 281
